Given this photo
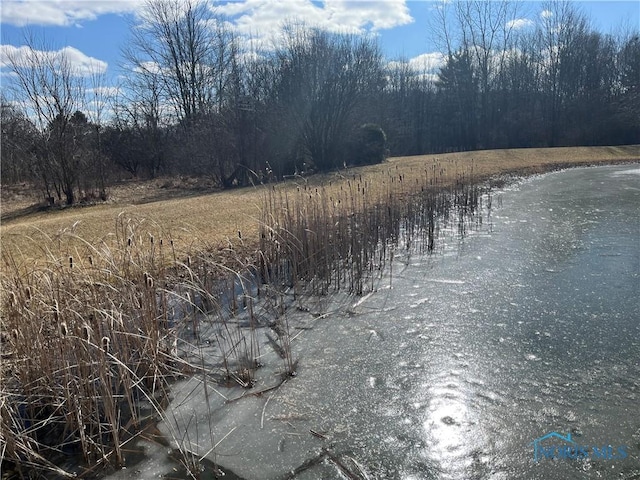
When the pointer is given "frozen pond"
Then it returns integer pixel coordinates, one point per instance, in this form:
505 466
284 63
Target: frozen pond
456 365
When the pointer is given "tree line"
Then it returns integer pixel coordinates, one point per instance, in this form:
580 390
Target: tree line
196 99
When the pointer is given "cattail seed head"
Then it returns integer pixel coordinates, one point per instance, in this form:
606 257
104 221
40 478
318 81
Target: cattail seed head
70 262
12 299
105 344
90 260
27 293
151 239
64 331
86 332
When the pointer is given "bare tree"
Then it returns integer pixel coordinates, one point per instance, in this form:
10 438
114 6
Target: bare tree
562 24
185 55
51 91
322 77
97 102
18 144
141 117
188 46
627 100
479 33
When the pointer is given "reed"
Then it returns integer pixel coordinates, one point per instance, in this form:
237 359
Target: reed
318 240
91 336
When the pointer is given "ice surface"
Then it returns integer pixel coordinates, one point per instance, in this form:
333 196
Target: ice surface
451 373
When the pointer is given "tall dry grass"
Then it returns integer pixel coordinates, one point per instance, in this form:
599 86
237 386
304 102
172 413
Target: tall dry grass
91 339
330 237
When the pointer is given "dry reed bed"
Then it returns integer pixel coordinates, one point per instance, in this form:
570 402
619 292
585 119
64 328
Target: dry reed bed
92 331
333 237
90 342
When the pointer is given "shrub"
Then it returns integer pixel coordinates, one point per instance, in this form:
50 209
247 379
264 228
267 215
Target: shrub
369 145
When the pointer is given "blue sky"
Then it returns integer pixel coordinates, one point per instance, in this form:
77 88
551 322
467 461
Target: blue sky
97 29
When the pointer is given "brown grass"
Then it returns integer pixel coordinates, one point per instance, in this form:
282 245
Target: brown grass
215 219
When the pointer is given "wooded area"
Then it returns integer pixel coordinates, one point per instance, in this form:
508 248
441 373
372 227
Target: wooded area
198 100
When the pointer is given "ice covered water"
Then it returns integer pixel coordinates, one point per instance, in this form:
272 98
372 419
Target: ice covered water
461 360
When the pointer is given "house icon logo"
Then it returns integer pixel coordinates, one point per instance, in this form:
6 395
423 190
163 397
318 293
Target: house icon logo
554 446
543 449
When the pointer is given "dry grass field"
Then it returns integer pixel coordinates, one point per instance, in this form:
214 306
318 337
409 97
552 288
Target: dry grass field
195 219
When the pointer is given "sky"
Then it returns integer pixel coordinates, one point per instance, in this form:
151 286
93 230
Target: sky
93 32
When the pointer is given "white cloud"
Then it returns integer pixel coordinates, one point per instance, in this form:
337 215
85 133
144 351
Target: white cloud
148 67
425 66
62 12
519 23
81 64
546 14
262 19
103 92
422 64
427 62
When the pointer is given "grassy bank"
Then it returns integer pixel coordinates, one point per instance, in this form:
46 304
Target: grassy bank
214 220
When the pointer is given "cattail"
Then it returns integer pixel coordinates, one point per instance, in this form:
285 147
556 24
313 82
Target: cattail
64 331
70 262
149 282
27 293
12 299
151 239
129 241
105 344
239 234
90 260
86 332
